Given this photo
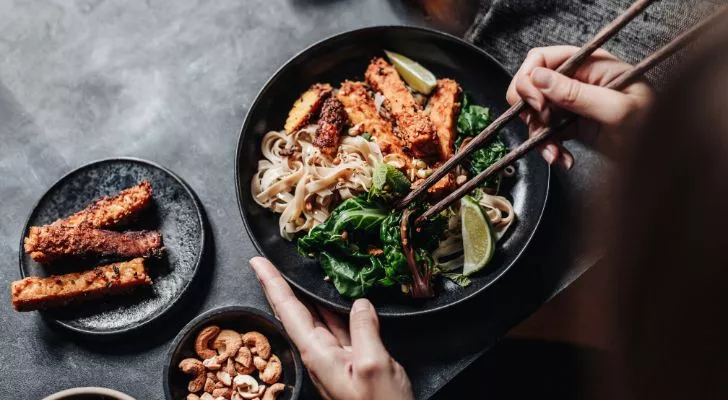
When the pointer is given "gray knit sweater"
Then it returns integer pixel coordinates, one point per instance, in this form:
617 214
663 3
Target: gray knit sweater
507 29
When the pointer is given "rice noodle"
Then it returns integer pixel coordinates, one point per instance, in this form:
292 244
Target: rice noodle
449 254
296 180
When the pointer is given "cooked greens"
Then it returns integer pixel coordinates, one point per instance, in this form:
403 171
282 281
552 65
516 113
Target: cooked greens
472 120
360 246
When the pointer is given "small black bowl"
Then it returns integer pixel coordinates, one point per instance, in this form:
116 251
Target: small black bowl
241 319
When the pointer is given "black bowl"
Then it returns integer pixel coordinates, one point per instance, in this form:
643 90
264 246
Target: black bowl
242 319
346 56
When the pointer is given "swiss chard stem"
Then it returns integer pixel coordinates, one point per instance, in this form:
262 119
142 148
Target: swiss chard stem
421 285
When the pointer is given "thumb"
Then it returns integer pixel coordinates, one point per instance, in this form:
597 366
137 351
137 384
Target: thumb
594 102
369 351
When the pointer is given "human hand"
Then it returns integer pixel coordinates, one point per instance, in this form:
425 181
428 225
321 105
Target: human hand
343 363
605 114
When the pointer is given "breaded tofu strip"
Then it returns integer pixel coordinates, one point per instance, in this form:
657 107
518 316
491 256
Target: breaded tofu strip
47 243
441 188
110 211
413 124
443 109
306 107
361 110
330 124
36 293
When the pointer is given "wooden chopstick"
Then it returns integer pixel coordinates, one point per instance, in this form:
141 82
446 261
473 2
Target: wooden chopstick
568 68
543 134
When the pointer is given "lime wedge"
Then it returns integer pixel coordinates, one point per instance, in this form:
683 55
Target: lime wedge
478 239
413 73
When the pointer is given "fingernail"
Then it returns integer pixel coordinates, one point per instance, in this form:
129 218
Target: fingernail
548 155
254 262
541 78
361 305
257 264
567 162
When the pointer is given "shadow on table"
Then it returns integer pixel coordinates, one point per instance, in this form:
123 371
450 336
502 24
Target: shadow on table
159 331
522 369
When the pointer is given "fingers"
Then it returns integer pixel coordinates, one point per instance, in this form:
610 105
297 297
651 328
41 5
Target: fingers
316 344
551 58
594 102
336 325
551 151
296 318
566 159
370 356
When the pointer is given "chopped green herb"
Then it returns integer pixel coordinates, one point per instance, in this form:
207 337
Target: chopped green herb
388 182
458 279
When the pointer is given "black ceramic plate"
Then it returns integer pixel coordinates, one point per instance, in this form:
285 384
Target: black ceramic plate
346 56
175 212
241 319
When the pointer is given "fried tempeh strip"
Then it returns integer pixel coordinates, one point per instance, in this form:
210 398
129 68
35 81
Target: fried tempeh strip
441 188
46 243
330 124
414 126
306 106
443 109
54 291
110 211
363 113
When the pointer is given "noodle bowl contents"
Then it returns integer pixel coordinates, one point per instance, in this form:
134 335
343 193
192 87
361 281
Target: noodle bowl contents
347 154
301 183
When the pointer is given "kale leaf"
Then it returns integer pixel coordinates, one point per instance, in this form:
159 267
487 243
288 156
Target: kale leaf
472 120
349 278
341 244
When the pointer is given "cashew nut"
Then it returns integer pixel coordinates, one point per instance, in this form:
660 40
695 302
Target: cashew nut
230 367
257 343
193 366
253 395
243 370
227 343
273 391
272 372
244 356
228 359
209 385
259 363
245 383
223 392
202 342
212 363
225 378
